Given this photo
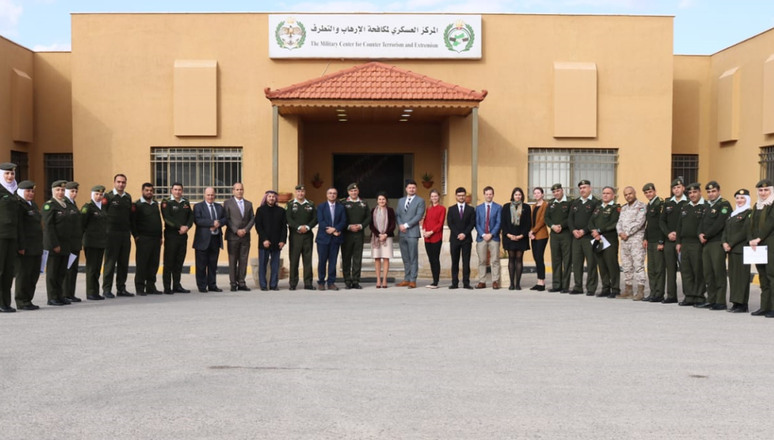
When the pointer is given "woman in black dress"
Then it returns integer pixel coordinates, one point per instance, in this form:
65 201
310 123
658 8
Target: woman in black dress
516 224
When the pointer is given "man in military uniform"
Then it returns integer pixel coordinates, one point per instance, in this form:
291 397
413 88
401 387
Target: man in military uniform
762 233
75 236
119 208
556 218
734 240
602 226
581 210
146 229
9 224
689 246
713 255
670 217
358 218
30 247
94 224
178 219
653 242
58 220
631 232
302 217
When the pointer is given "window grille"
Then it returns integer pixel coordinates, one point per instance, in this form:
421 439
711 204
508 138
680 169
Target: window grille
686 167
548 166
196 169
58 166
767 162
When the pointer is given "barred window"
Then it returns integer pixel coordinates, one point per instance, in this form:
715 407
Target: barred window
548 166
196 169
21 159
686 167
58 166
767 162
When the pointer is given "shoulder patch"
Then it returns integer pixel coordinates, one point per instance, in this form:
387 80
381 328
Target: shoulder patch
724 210
85 209
47 206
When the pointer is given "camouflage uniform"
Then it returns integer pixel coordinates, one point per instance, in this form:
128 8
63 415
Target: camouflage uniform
632 223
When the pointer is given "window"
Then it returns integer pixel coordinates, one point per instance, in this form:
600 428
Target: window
548 166
196 169
22 162
686 167
58 166
767 162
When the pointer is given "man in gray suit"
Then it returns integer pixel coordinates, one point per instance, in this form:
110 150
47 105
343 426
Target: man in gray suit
409 213
239 220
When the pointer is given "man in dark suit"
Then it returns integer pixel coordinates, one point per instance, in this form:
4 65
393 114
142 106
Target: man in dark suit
272 226
208 240
461 219
239 220
332 220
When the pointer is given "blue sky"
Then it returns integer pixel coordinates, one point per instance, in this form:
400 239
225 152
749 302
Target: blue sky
701 26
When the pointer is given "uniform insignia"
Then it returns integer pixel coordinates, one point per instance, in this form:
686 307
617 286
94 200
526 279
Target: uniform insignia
163 205
724 211
85 209
134 207
619 209
46 207
684 212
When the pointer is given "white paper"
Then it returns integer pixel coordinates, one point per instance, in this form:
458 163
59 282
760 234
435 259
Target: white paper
605 243
70 260
758 256
43 261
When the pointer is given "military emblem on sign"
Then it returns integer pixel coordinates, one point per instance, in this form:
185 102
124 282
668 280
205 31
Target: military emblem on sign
459 36
290 34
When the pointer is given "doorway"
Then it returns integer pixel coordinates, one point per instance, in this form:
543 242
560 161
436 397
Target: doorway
373 173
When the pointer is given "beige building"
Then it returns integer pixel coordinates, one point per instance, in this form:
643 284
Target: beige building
199 98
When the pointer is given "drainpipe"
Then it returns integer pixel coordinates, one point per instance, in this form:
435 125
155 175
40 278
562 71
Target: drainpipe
474 158
275 148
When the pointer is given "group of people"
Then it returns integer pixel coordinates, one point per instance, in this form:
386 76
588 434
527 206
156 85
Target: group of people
701 239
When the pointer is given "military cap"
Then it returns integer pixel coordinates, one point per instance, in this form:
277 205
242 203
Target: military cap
712 185
300 186
694 185
556 186
649 187
584 182
71 185
58 183
677 182
352 186
742 192
7 166
97 188
26 184
764 183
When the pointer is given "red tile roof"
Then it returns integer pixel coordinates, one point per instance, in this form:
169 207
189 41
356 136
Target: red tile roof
376 81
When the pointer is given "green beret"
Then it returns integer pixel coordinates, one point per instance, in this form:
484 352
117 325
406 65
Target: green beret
26 184
59 183
299 187
97 188
764 183
352 186
71 185
7 166
584 182
677 182
712 185
649 187
694 185
742 192
556 186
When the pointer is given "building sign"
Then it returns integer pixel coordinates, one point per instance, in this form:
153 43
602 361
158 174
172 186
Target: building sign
375 36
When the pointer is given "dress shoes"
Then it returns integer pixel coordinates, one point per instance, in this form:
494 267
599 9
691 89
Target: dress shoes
564 291
703 305
646 299
66 301
613 295
275 288
95 297
555 290
347 285
412 285
141 292
243 288
467 286
770 314
512 287
29 307
481 286
108 295
202 290
233 288
601 295
332 287
759 312
590 294
292 288
539 288
5 309
153 291
430 286
73 299
309 287
356 286
684 303
718 307
169 292
320 286
124 293
738 308
403 283
576 292
55 302
264 289
180 289
670 301
495 285
214 289
454 286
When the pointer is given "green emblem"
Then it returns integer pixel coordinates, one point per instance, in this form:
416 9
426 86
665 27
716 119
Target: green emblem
459 36
85 209
46 207
724 211
290 34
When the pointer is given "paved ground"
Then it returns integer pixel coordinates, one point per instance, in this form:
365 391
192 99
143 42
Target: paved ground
384 364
